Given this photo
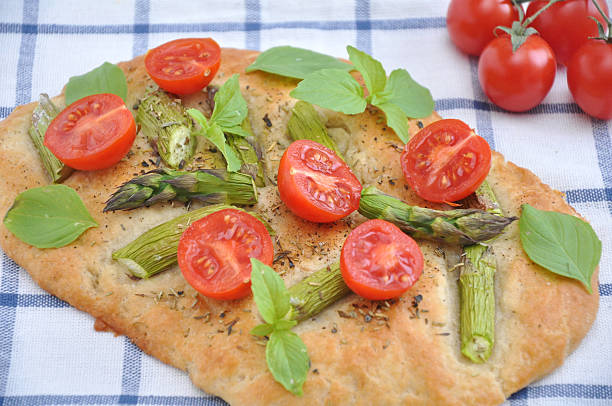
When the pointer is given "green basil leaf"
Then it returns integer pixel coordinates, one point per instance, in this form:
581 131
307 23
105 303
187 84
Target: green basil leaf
217 137
230 107
106 78
269 292
414 99
199 118
561 243
396 119
284 324
237 130
48 216
287 359
372 70
261 330
295 62
214 134
332 89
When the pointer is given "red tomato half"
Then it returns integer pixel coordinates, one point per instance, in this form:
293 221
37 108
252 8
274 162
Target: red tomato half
517 81
214 253
184 66
471 23
92 133
446 161
316 184
589 77
378 261
566 25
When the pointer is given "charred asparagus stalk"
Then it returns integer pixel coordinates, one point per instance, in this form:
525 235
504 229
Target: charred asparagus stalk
246 148
314 293
155 250
165 123
208 185
461 226
42 116
477 290
305 124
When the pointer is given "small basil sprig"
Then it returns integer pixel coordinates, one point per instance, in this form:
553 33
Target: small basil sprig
48 216
561 243
106 78
227 117
398 97
286 353
295 62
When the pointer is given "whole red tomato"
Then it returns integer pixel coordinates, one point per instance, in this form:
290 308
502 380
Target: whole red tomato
471 23
519 80
589 77
566 25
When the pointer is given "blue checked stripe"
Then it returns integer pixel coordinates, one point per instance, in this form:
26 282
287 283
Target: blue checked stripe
10 280
26 53
7 319
483 116
130 376
472 104
589 195
44 400
253 24
5 111
601 133
363 25
253 6
30 300
141 23
572 391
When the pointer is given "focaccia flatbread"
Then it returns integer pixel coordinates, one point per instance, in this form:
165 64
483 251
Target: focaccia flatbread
393 356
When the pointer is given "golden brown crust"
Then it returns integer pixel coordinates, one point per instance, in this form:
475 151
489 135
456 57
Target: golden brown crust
395 359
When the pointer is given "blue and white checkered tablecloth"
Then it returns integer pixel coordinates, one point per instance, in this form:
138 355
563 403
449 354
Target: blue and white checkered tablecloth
50 353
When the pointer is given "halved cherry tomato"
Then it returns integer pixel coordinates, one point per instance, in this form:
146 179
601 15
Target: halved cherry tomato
92 133
378 261
214 253
316 184
446 161
184 66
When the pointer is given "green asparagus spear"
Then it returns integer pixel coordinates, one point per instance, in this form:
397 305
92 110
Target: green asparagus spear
477 290
165 123
246 149
314 293
477 314
208 185
42 116
155 250
305 124
461 226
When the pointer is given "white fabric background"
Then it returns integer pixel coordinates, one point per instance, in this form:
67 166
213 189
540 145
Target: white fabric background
49 352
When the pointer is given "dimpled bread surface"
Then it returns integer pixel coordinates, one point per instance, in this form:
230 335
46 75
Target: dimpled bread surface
400 356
